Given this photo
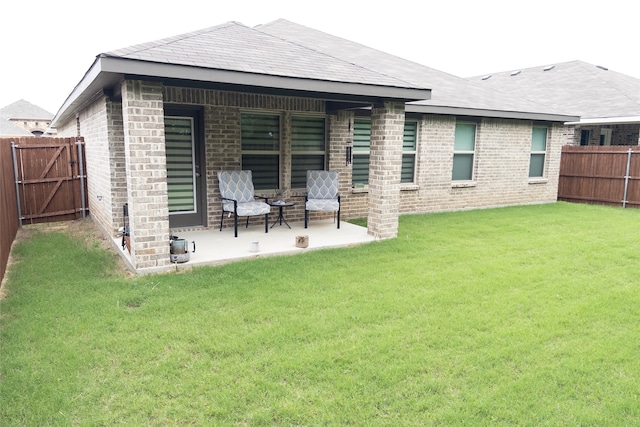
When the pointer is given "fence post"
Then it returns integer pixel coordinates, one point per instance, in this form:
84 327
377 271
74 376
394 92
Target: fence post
81 173
626 178
15 177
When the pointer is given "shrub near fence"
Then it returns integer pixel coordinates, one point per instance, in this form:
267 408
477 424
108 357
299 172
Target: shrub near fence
9 210
600 175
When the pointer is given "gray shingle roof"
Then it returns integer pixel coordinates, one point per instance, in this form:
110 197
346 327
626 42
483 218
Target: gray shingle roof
236 47
447 90
295 60
574 87
25 110
7 128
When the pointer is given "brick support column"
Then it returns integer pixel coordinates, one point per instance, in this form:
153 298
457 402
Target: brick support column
144 146
387 130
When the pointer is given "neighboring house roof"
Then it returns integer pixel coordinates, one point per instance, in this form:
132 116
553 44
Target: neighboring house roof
7 128
450 94
289 59
24 110
232 56
592 92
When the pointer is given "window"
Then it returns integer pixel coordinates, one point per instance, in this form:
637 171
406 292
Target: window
260 135
538 151
308 148
605 136
409 143
584 137
464 146
362 145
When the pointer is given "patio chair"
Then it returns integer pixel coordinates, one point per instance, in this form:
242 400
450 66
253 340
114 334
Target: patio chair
238 197
322 193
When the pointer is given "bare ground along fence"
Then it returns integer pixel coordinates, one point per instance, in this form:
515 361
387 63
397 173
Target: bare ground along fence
600 175
43 180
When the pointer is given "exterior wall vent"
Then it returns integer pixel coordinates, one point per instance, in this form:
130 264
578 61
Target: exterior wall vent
515 73
549 67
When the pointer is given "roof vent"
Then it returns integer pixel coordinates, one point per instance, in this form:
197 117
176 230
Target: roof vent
602 68
515 73
487 77
549 67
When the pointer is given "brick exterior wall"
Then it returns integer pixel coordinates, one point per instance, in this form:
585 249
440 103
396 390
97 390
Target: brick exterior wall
501 167
144 149
101 124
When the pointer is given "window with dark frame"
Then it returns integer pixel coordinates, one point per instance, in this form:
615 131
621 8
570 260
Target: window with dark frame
308 148
585 135
260 136
464 148
538 151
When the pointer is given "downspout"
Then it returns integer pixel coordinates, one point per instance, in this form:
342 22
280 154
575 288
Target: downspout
81 173
15 177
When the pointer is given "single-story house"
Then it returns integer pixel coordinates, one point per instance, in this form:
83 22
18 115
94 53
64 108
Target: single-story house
607 102
160 120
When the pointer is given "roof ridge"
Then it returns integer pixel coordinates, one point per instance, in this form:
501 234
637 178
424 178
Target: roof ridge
609 82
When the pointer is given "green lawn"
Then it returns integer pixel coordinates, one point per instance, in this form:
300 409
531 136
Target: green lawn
514 316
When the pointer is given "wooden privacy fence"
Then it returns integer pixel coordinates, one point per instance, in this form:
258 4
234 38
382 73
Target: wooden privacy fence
8 205
600 175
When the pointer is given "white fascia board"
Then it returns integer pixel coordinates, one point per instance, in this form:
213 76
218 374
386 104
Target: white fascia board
479 112
606 121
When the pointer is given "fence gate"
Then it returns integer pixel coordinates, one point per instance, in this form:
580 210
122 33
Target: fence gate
50 179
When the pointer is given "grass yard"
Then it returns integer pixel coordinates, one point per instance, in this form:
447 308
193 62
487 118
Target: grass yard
515 316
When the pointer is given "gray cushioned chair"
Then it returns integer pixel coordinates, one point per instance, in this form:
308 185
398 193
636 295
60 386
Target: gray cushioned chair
238 197
322 193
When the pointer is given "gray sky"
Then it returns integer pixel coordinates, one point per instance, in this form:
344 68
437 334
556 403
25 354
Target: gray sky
47 46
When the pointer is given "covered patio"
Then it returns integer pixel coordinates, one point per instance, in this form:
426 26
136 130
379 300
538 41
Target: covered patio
214 247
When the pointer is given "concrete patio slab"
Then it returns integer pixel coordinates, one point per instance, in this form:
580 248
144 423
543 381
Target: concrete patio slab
214 247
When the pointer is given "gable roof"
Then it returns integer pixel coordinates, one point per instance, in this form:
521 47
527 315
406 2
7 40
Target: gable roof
450 94
233 56
592 92
24 110
289 59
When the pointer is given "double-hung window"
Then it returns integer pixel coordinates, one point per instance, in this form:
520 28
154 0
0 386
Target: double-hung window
464 147
409 144
260 136
361 151
538 151
362 147
308 148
